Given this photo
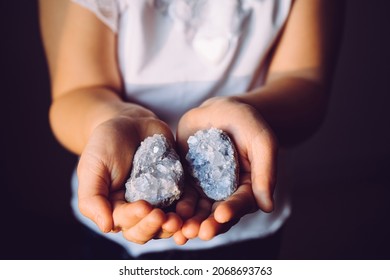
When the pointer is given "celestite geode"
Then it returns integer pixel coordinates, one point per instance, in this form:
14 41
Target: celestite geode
212 161
157 173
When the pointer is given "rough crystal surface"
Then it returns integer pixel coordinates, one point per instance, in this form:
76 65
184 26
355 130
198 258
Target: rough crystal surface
156 174
212 161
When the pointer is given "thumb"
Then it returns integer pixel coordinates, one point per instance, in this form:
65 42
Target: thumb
262 156
93 193
98 209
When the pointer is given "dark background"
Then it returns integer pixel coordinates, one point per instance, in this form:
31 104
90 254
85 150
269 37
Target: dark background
341 195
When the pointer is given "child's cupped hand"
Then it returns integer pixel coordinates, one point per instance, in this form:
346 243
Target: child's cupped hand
103 168
257 151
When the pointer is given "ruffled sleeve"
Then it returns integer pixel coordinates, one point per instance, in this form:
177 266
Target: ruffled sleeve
107 11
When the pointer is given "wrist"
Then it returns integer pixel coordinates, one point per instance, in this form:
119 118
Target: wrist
120 111
80 111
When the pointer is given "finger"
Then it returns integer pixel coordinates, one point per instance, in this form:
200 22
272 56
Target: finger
211 228
179 238
172 225
191 227
237 205
262 157
185 207
127 215
147 228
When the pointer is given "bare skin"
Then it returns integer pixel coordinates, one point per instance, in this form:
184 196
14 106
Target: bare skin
88 103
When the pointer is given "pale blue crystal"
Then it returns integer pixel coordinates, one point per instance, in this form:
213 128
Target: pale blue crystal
212 161
156 174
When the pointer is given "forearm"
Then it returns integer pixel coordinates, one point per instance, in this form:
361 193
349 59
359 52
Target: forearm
74 115
294 99
293 107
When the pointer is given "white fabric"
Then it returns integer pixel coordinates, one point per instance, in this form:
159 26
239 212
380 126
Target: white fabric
106 10
255 225
174 54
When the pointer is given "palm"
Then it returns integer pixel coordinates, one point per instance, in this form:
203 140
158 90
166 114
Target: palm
256 156
103 169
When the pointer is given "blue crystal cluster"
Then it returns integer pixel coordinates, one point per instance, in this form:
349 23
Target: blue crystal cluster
213 163
156 174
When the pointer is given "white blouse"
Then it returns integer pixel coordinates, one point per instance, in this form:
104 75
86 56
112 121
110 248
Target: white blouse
175 54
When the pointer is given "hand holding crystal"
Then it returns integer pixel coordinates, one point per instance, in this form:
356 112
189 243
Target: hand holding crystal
256 149
103 169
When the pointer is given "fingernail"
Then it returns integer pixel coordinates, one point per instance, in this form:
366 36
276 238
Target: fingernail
265 203
268 204
100 224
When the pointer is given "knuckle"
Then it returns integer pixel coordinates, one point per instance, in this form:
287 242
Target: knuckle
127 234
138 241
